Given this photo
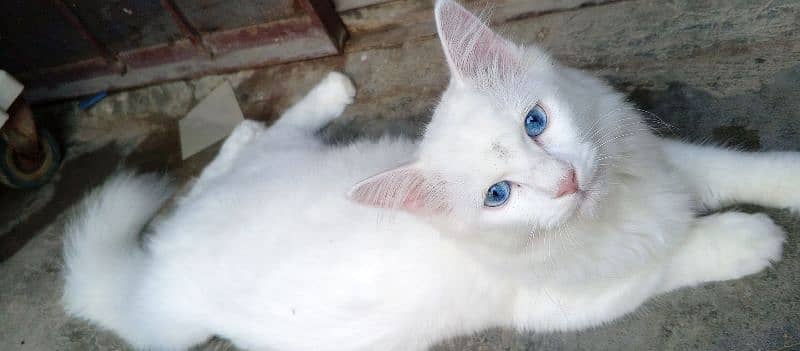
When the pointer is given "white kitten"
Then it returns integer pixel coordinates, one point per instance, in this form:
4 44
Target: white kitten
537 199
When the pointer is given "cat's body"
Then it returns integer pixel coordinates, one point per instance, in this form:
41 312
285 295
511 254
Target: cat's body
275 249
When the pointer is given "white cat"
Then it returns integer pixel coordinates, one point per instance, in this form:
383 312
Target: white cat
537 199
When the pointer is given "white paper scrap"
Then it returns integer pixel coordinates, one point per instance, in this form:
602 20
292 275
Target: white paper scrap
210 121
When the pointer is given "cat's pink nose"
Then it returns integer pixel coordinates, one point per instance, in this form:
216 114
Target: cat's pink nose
569 185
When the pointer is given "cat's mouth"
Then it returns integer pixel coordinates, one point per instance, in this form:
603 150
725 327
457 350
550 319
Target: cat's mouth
589 193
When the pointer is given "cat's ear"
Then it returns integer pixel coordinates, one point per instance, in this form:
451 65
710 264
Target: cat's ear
406 187
471 48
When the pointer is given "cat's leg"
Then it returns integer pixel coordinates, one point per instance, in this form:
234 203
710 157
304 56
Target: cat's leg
724 246
721 177
242 135
322 104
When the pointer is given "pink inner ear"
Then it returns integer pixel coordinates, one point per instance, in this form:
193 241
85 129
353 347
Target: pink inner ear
414 200
402 188
470 46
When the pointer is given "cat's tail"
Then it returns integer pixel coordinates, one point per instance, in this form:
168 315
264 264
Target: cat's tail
102 252
721 177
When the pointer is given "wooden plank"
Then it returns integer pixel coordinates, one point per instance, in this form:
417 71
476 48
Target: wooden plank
344 5
213 15
717 47
627 39
412 12
711 44
390 24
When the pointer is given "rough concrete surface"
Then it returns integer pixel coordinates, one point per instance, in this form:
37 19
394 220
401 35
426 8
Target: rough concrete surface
721 71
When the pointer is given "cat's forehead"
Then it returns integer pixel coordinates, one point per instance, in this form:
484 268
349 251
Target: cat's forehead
519 91
484 123
465 114
471 132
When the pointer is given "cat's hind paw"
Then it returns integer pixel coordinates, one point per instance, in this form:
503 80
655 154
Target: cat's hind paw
326 101
339 87
334 93
243 134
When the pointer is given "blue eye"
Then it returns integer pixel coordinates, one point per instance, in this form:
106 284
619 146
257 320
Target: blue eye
535 121
497 194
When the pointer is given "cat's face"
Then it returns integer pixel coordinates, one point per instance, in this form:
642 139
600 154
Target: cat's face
516 143
518 161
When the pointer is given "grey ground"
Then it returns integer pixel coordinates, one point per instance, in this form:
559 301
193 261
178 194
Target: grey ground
721 71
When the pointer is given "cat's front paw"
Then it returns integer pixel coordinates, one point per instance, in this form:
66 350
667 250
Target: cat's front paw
752 243
725 246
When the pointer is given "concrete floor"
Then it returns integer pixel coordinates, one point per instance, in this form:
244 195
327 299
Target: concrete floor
724 71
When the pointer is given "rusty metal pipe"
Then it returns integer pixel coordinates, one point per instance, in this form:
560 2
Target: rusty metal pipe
22 137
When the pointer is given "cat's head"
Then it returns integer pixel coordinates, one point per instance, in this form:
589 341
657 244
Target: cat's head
517 142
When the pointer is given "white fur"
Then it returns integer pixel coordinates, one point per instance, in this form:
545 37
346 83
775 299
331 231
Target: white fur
288 244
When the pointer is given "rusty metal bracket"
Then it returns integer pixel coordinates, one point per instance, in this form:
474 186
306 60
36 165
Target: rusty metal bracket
323 13
315 31
112 61
186 27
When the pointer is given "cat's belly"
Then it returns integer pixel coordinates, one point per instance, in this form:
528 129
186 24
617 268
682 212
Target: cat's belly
379 277
273 252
